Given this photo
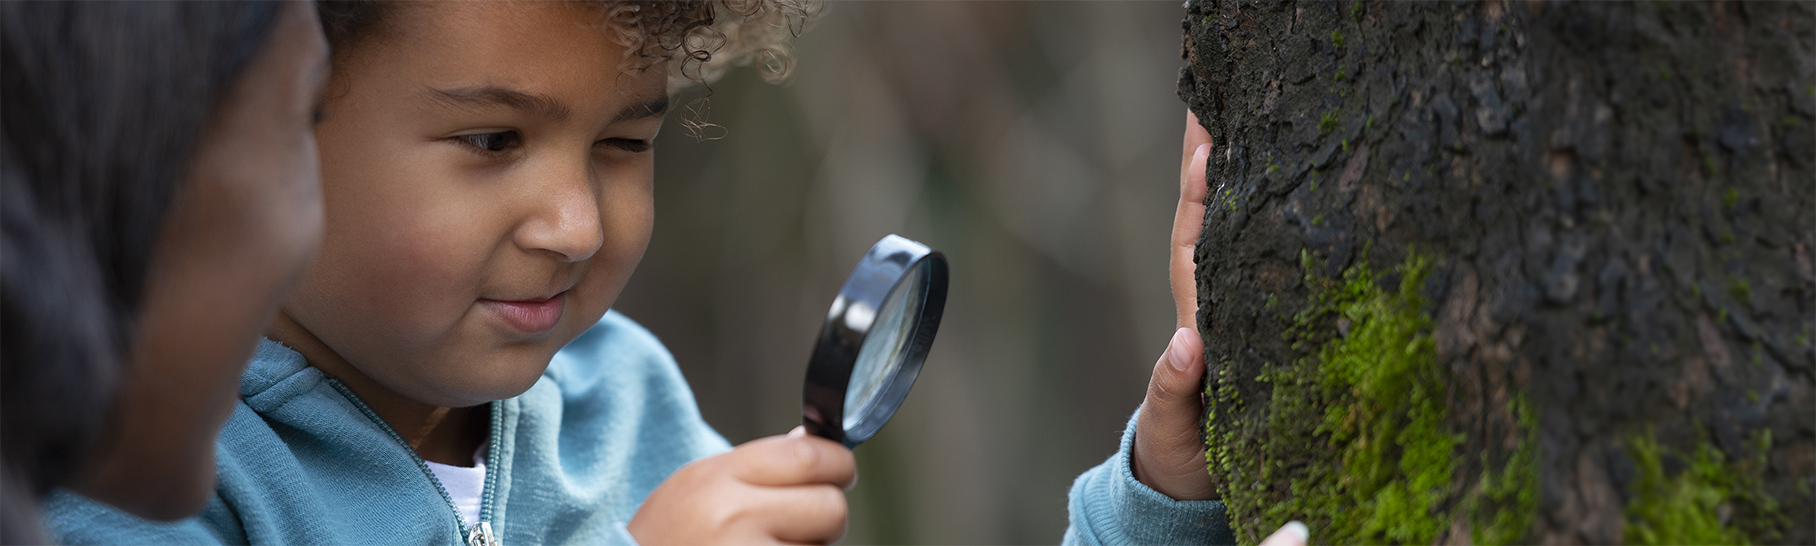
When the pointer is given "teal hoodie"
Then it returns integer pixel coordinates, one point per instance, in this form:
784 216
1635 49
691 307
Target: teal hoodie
304 461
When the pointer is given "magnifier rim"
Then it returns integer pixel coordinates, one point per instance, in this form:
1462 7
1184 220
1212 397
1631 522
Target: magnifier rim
836 351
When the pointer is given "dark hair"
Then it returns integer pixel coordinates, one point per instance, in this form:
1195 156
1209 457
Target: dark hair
101 104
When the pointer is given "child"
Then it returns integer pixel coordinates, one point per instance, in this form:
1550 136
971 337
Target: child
1155 488
486 175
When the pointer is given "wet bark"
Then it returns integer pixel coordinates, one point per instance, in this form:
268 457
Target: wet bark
1618 202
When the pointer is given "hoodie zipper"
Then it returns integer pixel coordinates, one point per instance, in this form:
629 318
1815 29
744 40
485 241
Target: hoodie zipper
482 534
478 535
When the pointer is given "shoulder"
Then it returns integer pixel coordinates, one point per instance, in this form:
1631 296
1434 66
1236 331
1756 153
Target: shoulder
618 386
616 351
617 334
618 367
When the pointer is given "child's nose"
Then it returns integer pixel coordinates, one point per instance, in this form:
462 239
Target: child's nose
566 221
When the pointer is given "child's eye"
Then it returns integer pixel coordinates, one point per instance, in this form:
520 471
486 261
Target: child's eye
629 145
493 142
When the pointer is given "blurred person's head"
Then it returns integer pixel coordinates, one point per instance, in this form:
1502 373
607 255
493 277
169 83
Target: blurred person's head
487 172
160 196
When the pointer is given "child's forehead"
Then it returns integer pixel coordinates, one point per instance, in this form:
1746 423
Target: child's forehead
502 38
555 60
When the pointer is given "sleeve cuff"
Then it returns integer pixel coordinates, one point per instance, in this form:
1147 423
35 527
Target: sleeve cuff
1118 509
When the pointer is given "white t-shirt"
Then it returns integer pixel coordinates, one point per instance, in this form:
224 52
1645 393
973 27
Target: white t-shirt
466 485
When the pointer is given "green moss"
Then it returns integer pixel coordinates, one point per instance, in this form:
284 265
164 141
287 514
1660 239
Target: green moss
1342 75
1711 501
1355 11
1336 39
1364 405
1740 289
1730 198
1345 145
1505 502
1708 161
1328 122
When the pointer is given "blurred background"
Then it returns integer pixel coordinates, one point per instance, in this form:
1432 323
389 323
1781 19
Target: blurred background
1036 144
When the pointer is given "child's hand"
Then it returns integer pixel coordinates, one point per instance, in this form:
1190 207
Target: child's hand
1168 455
776 489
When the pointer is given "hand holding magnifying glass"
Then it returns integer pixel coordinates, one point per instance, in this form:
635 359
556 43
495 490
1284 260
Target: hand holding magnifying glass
874 340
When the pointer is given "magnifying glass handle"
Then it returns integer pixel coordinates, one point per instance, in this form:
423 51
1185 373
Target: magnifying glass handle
825 426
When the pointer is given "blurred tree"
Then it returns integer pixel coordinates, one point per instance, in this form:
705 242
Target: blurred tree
1492 272
1036 144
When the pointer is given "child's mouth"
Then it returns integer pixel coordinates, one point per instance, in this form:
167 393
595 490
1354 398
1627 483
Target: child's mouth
530 317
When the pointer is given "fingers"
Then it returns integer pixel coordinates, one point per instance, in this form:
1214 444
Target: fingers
790 461
1173 389
1188 221
1195 136
1168 455
807 514
1291 534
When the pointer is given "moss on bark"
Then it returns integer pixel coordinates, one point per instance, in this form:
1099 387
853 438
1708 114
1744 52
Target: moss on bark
1614 221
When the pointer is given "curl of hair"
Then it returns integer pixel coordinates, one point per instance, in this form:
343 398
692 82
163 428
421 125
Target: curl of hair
698 46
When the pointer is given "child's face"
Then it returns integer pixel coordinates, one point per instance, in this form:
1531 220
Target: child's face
486 172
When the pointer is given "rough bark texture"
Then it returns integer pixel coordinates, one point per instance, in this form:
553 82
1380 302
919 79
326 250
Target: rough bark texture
1490 272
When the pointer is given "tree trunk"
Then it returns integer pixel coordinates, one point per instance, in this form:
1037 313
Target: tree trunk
1491 272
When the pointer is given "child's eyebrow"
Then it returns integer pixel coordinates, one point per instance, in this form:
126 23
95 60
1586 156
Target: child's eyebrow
488 95
647 109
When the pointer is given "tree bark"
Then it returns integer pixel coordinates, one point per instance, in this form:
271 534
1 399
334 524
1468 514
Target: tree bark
1509 272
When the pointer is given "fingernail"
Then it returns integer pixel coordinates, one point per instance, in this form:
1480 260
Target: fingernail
1176 352
797 432
1203 150
1298 530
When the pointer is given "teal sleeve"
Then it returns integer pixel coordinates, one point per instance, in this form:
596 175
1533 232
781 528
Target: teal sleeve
1108 506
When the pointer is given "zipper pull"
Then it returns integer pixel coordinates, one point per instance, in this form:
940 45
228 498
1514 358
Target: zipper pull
482 536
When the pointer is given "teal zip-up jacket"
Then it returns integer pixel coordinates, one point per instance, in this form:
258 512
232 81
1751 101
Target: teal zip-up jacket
304 461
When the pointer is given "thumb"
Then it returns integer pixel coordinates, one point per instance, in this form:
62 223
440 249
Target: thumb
1173 389
1168 455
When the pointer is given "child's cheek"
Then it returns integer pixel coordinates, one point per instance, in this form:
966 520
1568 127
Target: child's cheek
423 270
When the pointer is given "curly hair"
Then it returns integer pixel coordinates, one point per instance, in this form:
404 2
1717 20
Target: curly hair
689 36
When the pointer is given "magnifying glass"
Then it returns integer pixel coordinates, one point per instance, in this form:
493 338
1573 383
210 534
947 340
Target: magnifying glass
875 338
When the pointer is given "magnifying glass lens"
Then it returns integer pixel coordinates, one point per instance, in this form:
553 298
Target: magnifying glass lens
881 354
874 340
